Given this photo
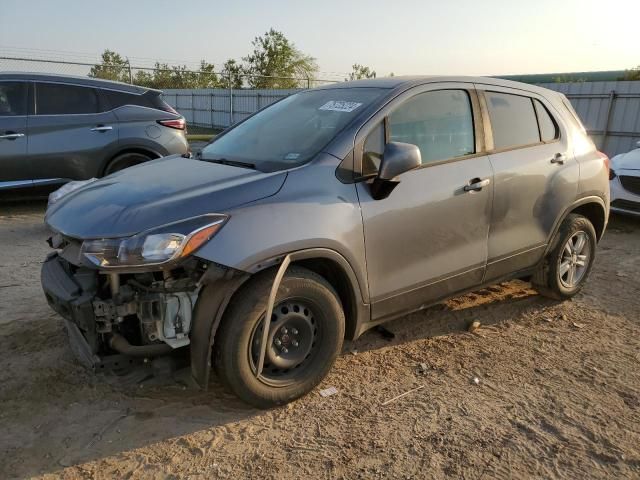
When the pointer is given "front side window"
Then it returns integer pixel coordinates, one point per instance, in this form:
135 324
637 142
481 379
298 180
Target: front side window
13 99
513 120
292 131
439 123
60 99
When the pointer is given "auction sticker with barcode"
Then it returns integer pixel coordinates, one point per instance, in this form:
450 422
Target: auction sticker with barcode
340 106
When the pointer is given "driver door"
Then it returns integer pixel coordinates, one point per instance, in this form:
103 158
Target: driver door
428 238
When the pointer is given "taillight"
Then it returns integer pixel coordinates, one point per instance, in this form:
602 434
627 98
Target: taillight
177 123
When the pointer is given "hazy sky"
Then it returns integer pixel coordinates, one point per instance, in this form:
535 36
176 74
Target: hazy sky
400 36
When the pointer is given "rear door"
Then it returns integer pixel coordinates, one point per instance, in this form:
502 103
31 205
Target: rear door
536 176
428 239
14 164
69 135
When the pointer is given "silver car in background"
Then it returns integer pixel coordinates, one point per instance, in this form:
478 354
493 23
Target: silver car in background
624 178
55 128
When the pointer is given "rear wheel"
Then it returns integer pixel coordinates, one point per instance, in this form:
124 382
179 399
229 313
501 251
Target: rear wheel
124 161
569 263
305 334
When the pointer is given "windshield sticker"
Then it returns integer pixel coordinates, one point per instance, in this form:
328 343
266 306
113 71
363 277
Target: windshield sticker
291 156
340 106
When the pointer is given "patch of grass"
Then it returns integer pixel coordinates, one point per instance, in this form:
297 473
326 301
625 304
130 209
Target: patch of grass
201 137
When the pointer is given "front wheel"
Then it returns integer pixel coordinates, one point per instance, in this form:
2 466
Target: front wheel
305 334
569 263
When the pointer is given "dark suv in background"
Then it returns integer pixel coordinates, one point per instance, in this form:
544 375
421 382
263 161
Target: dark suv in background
59 127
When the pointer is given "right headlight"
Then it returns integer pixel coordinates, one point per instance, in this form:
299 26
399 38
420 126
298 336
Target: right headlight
154 246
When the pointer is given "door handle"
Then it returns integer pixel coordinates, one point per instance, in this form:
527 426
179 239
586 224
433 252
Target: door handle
102 128
11 136
559 158
477 184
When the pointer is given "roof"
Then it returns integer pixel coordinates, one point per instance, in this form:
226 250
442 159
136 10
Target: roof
404 82
77 80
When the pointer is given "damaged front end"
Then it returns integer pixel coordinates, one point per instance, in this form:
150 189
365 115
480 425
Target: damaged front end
119 317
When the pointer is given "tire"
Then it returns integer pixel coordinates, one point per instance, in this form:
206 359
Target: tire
568 257
308 322
124 161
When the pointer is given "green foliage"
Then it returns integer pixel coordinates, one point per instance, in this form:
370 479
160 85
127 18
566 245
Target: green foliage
178 76
632 74
568 79
275 60
112 67
232 71
360 72
274 63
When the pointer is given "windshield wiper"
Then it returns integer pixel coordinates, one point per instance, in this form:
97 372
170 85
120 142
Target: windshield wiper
231 163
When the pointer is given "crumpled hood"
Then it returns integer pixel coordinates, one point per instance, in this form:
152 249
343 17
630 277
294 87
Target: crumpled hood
155 193
627 161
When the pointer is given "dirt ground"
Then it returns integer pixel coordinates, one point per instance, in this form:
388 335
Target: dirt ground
557 396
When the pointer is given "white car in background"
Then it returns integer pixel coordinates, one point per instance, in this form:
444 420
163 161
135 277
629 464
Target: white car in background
624 179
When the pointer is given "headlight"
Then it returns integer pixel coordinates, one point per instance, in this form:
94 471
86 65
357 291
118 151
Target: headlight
155 246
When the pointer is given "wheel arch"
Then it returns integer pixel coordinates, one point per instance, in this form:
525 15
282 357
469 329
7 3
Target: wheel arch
226 284
593 208
151 153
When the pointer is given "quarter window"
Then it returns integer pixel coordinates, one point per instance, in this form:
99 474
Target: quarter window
13 99
548 127
60 99
439 123
513 120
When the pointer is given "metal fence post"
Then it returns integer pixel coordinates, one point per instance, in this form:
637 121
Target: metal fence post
605 131
230 100
308 82
130 72
211 106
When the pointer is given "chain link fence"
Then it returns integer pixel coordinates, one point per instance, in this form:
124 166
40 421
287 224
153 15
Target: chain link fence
207 99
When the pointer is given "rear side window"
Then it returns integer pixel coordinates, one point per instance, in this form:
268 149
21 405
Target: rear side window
548 126
513 120
150 100
60 99
13 99
440 123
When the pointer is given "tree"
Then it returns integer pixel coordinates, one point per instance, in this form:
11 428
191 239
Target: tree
233 70
112 67
276 63
633 74
360 71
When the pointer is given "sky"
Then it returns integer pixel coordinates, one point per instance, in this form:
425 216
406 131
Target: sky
457 37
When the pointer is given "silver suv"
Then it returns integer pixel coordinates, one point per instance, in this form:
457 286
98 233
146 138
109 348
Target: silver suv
323 215
55 128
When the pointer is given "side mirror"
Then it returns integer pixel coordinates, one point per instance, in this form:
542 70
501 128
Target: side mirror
398 158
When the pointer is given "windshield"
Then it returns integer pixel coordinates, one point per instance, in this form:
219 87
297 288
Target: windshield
291 131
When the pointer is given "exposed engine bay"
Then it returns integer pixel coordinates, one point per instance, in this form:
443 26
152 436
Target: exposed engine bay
139 314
